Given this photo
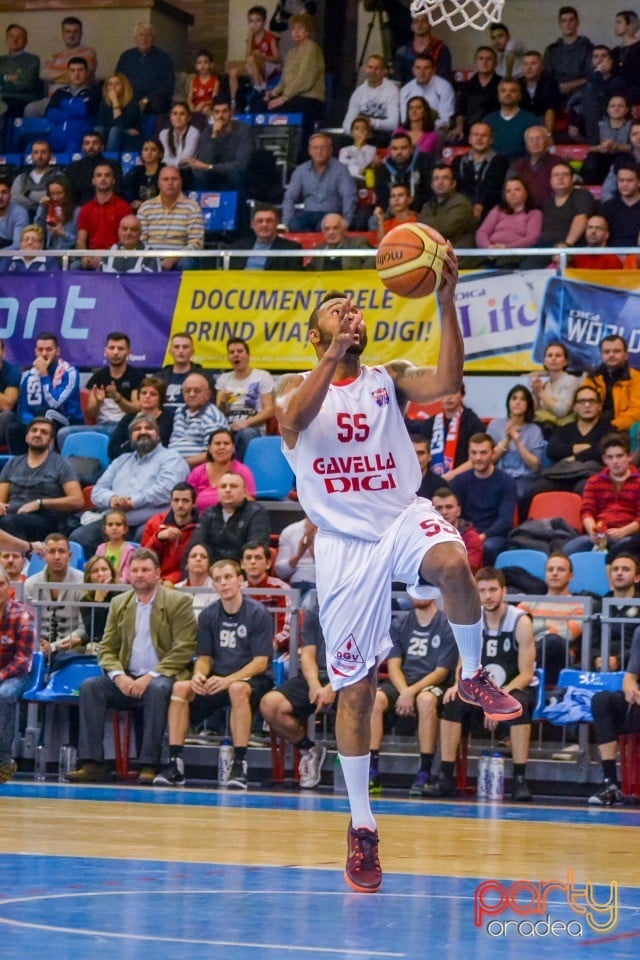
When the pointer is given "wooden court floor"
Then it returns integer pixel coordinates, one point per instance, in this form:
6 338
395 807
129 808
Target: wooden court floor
101 871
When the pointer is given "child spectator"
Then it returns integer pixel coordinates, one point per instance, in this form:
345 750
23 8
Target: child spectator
203 88
262 55
360 154
117 550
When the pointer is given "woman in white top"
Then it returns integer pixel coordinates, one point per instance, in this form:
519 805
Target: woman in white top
179 139
553 391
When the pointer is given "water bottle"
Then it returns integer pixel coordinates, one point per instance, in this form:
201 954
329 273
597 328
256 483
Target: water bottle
66 761
482 790
225 761
339 784
40 763
496 777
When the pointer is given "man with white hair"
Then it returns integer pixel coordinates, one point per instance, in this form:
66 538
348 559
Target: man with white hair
334 231
150 71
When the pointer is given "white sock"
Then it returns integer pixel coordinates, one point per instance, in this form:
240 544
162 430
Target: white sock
469 639
356 777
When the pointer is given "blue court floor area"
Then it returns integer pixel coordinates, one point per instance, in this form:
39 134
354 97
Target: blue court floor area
99 908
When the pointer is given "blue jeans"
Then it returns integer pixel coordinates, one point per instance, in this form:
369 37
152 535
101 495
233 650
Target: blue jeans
10 692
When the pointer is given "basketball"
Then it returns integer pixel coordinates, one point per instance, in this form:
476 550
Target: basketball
410 260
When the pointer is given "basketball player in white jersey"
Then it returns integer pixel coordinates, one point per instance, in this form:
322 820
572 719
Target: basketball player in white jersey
343 434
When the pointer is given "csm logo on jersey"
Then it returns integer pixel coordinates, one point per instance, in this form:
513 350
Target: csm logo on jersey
351 474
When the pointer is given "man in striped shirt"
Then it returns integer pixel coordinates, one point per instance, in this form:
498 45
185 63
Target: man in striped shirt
172 220
195 420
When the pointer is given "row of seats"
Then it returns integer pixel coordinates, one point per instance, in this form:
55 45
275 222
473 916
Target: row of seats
589 569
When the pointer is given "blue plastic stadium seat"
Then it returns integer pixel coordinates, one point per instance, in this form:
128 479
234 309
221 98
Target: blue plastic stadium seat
273 475
219 209
533 561
88 443
64 684
36 675
540 702
589 572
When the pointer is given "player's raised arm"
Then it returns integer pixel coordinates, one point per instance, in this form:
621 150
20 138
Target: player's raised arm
425 384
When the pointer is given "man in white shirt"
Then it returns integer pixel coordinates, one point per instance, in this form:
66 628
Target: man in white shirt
378 98
244 396
437 92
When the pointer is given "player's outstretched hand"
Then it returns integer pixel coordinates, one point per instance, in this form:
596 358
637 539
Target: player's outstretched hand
449 275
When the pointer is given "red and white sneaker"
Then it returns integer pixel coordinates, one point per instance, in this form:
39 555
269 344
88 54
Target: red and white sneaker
481 691
363 872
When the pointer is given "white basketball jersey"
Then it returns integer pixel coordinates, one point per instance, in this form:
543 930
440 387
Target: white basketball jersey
355 465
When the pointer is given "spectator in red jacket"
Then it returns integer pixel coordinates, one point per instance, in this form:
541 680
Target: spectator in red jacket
168 534
447 504
256 566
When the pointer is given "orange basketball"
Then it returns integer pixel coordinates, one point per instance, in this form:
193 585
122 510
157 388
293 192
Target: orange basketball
410 260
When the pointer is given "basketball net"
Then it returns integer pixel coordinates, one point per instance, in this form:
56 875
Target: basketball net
459 13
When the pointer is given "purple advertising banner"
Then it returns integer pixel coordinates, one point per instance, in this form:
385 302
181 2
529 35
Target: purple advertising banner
81 309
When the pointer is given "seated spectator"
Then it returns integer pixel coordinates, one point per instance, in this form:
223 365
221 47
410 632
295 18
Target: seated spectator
194 420
487 495
116 549
419 124
564 217
264 236
448 434
535 168
568 58
58 214
480 173
510 122
617 384
477 96
13 218
18 644
174 374
612 142
450 213
437 91
30 186
519 444
302 86
168 533
334 229
172 220
9 392
423 42
50 389
180 139
377 99
233 669
80 172
513 223
219 460
151 396
557 626
509 52
72 109
361 155
114 388
119 119
244 395
55 71
288 707
573 448
150 72
61 626
431 481
322 185
626 55
262 55
98 572
139 483
448 506
603 85
610 503
100 217
540 91
39 489
141 663
421 664
622 213
256 566
400 201
554 390
15 564
615 713
224 152
129 239
596 235
233 522
19 72
204 86
407 166
196 562
295 561
508 654
30 258
141 182
624 580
